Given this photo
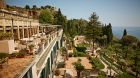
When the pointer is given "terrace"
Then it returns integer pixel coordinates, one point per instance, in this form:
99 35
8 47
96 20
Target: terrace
15 67
21 64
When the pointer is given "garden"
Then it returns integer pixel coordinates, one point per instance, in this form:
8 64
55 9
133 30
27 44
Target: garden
96 63
78 52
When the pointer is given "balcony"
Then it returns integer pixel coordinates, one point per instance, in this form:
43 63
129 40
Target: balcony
21 65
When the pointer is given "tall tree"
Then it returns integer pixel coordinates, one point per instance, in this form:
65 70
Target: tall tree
127 42
107 30
42 7
46 16
58 17
27 7
124 33
110 34
93 30
34 7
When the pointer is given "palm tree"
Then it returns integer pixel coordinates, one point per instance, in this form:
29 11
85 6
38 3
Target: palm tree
78 67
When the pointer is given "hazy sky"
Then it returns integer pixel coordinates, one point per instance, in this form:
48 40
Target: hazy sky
117 12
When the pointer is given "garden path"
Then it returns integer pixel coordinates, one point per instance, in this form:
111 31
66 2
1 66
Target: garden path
106 66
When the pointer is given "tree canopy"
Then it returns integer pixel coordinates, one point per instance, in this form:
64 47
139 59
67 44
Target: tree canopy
128 40
79 67
27 7
124 32
46 16
107 30
93 29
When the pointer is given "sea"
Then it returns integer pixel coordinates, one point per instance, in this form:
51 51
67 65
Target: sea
118 31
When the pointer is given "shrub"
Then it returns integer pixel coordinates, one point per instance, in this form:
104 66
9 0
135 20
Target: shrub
101 76
3 55
31 46
20 55
63 50
83 45
125 75
89 57
3 59
43 39
23 42
24 51
97 63
61 65
79 54
102 73
108 59
57 72
81 49
12 55
6 36
70 54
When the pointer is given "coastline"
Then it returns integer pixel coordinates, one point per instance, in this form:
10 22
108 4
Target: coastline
118 31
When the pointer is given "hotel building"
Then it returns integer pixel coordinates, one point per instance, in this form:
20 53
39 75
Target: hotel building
43 61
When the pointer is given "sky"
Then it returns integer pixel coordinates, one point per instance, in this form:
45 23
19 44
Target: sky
117 12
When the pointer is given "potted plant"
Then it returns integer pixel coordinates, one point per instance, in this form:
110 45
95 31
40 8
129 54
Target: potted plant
20 55
13 55
31 47
42 39
57 72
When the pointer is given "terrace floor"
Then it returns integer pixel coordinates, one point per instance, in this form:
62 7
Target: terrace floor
70 68
15 67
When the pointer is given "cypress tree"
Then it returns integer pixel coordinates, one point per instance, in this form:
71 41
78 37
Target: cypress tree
27 7
110 34
124 32
107 30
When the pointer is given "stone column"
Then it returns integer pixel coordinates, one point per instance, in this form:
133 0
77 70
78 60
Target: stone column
15 31
23 31
37 29
18 32
28 31
4 26
33 31
4 29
